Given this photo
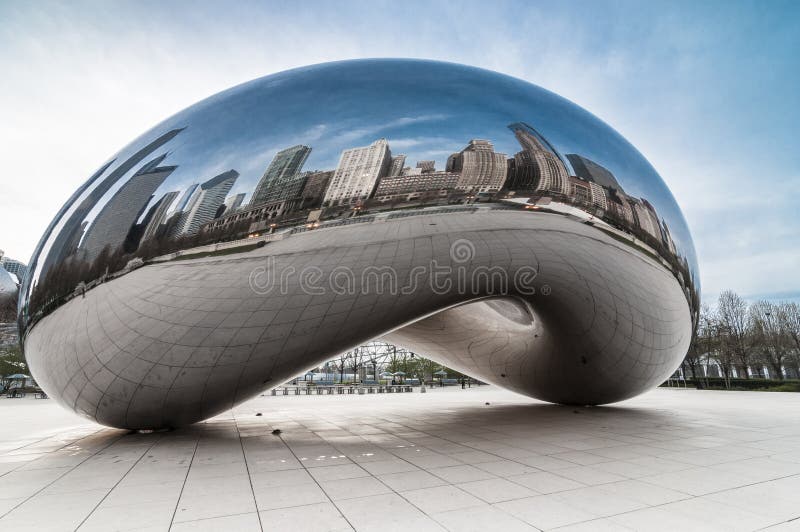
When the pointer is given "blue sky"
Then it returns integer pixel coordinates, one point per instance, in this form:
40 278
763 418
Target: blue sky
708 93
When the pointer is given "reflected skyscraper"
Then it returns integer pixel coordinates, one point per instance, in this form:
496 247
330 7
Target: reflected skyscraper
234 202
316 184
591 171
209 197
286 164
481 168
114 222
15 267
646 217
66 242
159 214
398 162
538 166
358 173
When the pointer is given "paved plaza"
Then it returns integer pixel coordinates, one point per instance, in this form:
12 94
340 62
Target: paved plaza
478 459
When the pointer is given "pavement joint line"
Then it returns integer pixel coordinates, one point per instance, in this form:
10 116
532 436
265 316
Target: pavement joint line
37 492
144 453
247 468
316 482
185 477
24 463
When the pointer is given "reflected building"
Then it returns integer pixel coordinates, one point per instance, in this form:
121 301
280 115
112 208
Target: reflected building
409 183
207 199
398 163
315 186
65 243
111 227
159 215
426 167
481 169
305 192
16 267
646 217
538 166
288 188
357 173
591 171
587 192
234 202
286 164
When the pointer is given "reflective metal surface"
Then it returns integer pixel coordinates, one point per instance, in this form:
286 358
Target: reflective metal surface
472 217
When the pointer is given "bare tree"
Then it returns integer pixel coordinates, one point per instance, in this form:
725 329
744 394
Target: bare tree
766 321
356 360
705 327
790 323
341 362
732 314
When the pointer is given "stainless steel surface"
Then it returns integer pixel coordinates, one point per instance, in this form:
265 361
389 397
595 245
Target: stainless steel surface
472 217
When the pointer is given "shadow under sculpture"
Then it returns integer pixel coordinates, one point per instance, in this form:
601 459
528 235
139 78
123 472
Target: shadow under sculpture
472 217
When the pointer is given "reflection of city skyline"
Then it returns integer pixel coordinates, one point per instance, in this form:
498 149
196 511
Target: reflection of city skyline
368 174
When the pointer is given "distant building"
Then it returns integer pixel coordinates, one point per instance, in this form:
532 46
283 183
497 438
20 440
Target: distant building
234 202
646 217
113 224
480 168
591 171
177 220
66 242
599 195
18 268
211 195
398 163
587 192
358 172
620 207
419 182
538 166
285 165
426 166
667 238
158 215
257 217
288 188
316 183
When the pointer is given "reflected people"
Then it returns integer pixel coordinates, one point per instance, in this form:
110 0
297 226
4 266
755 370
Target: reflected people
472 217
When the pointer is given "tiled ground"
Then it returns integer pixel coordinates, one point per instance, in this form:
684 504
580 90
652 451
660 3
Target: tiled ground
445 460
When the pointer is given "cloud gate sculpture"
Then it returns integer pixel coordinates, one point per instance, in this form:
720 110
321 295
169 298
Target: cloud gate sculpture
471 217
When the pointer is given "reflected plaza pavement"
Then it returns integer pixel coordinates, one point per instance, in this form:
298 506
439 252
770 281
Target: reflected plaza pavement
478 459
